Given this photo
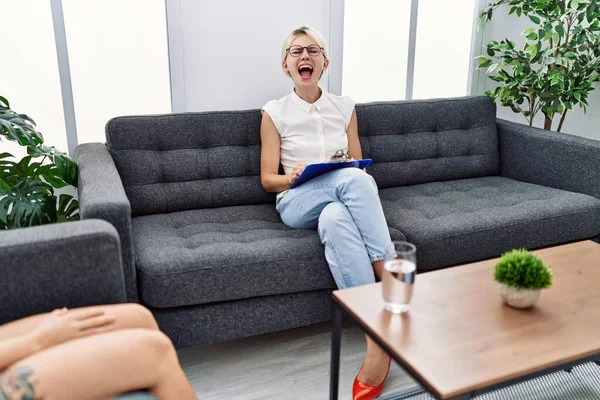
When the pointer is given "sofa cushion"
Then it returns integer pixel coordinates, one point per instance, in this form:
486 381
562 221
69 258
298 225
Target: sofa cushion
472 219
211 255
422 141
187 161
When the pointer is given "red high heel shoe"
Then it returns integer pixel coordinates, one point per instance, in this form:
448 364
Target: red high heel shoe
362 391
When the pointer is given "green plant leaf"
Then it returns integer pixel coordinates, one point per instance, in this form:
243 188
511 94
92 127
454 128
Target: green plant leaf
528 31
532 36
42 151
51 175
6 171
67 208
560 30
24 168
67 169
26 187
18 127
27 204
484 64
521 269
555 37
534 19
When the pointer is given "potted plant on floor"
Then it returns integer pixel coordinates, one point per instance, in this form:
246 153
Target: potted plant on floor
27 195
521 276
558 65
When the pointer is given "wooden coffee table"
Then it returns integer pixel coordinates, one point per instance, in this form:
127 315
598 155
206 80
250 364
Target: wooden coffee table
458 340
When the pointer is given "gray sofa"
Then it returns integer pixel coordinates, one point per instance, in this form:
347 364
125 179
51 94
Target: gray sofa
204 248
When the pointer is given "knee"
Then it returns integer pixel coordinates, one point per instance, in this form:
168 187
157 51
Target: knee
359 180
333 215
156 343
143 317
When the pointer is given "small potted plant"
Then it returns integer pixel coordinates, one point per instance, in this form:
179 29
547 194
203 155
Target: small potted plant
522 276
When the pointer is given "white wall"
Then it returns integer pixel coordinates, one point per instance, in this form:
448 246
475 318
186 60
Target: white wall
576 122
443 48
119 61
229 50
29 70
375 60
225 55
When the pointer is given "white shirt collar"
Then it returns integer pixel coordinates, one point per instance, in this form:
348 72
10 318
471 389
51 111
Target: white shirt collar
305 105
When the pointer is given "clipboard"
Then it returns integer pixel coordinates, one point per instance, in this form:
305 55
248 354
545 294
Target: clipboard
313 170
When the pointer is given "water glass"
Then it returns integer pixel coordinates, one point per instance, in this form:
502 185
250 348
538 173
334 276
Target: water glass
398 279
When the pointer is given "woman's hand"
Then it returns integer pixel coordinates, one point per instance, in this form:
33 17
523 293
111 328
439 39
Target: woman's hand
296 172
63 325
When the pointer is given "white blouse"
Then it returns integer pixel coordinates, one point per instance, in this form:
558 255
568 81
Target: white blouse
310 133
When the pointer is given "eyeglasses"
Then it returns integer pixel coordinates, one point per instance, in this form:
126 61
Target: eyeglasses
296 51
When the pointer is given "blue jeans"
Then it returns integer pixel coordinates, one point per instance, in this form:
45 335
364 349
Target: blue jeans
344 205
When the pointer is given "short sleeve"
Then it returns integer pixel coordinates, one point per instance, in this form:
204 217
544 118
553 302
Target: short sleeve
272 108
347 108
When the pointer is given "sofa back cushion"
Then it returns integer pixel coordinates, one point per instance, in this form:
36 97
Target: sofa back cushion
422 141
187 161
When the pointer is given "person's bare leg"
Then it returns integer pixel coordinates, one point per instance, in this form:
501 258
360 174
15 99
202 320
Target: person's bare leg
101 366
127 316
378 268
376 360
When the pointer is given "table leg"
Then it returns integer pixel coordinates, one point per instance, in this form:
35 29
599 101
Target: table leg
336 338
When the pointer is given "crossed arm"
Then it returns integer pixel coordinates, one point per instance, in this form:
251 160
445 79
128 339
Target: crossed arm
57 327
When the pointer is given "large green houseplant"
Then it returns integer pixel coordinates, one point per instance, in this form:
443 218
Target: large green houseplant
27 186
558 65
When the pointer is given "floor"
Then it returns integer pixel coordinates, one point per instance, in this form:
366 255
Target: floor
284 365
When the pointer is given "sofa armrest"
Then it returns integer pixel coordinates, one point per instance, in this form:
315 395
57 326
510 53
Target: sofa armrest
70 264
102 196
548 158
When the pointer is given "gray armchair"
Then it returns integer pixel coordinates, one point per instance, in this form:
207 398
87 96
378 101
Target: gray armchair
71 265
60 265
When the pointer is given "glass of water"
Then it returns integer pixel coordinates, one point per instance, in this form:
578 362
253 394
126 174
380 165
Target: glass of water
398 279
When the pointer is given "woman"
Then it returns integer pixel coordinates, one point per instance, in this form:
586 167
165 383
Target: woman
89 353
309 126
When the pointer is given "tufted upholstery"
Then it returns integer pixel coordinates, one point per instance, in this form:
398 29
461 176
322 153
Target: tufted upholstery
213 260
225 254
426 141
187 161
471 219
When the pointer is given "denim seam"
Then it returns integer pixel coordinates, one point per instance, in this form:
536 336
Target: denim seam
376 257
372 257
335 253
310 190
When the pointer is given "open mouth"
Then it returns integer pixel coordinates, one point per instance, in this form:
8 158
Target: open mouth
305 71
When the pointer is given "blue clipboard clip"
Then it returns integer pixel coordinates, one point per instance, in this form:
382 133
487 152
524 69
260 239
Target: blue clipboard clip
313 170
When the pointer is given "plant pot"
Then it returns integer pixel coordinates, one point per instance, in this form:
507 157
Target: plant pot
518 298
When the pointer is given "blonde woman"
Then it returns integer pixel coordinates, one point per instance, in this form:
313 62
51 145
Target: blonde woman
89 353
309 126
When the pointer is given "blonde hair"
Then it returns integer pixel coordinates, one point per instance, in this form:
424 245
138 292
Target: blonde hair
307 31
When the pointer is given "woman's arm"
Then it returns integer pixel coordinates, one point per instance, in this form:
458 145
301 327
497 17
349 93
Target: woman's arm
269 158
354 149
55 328
15 349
